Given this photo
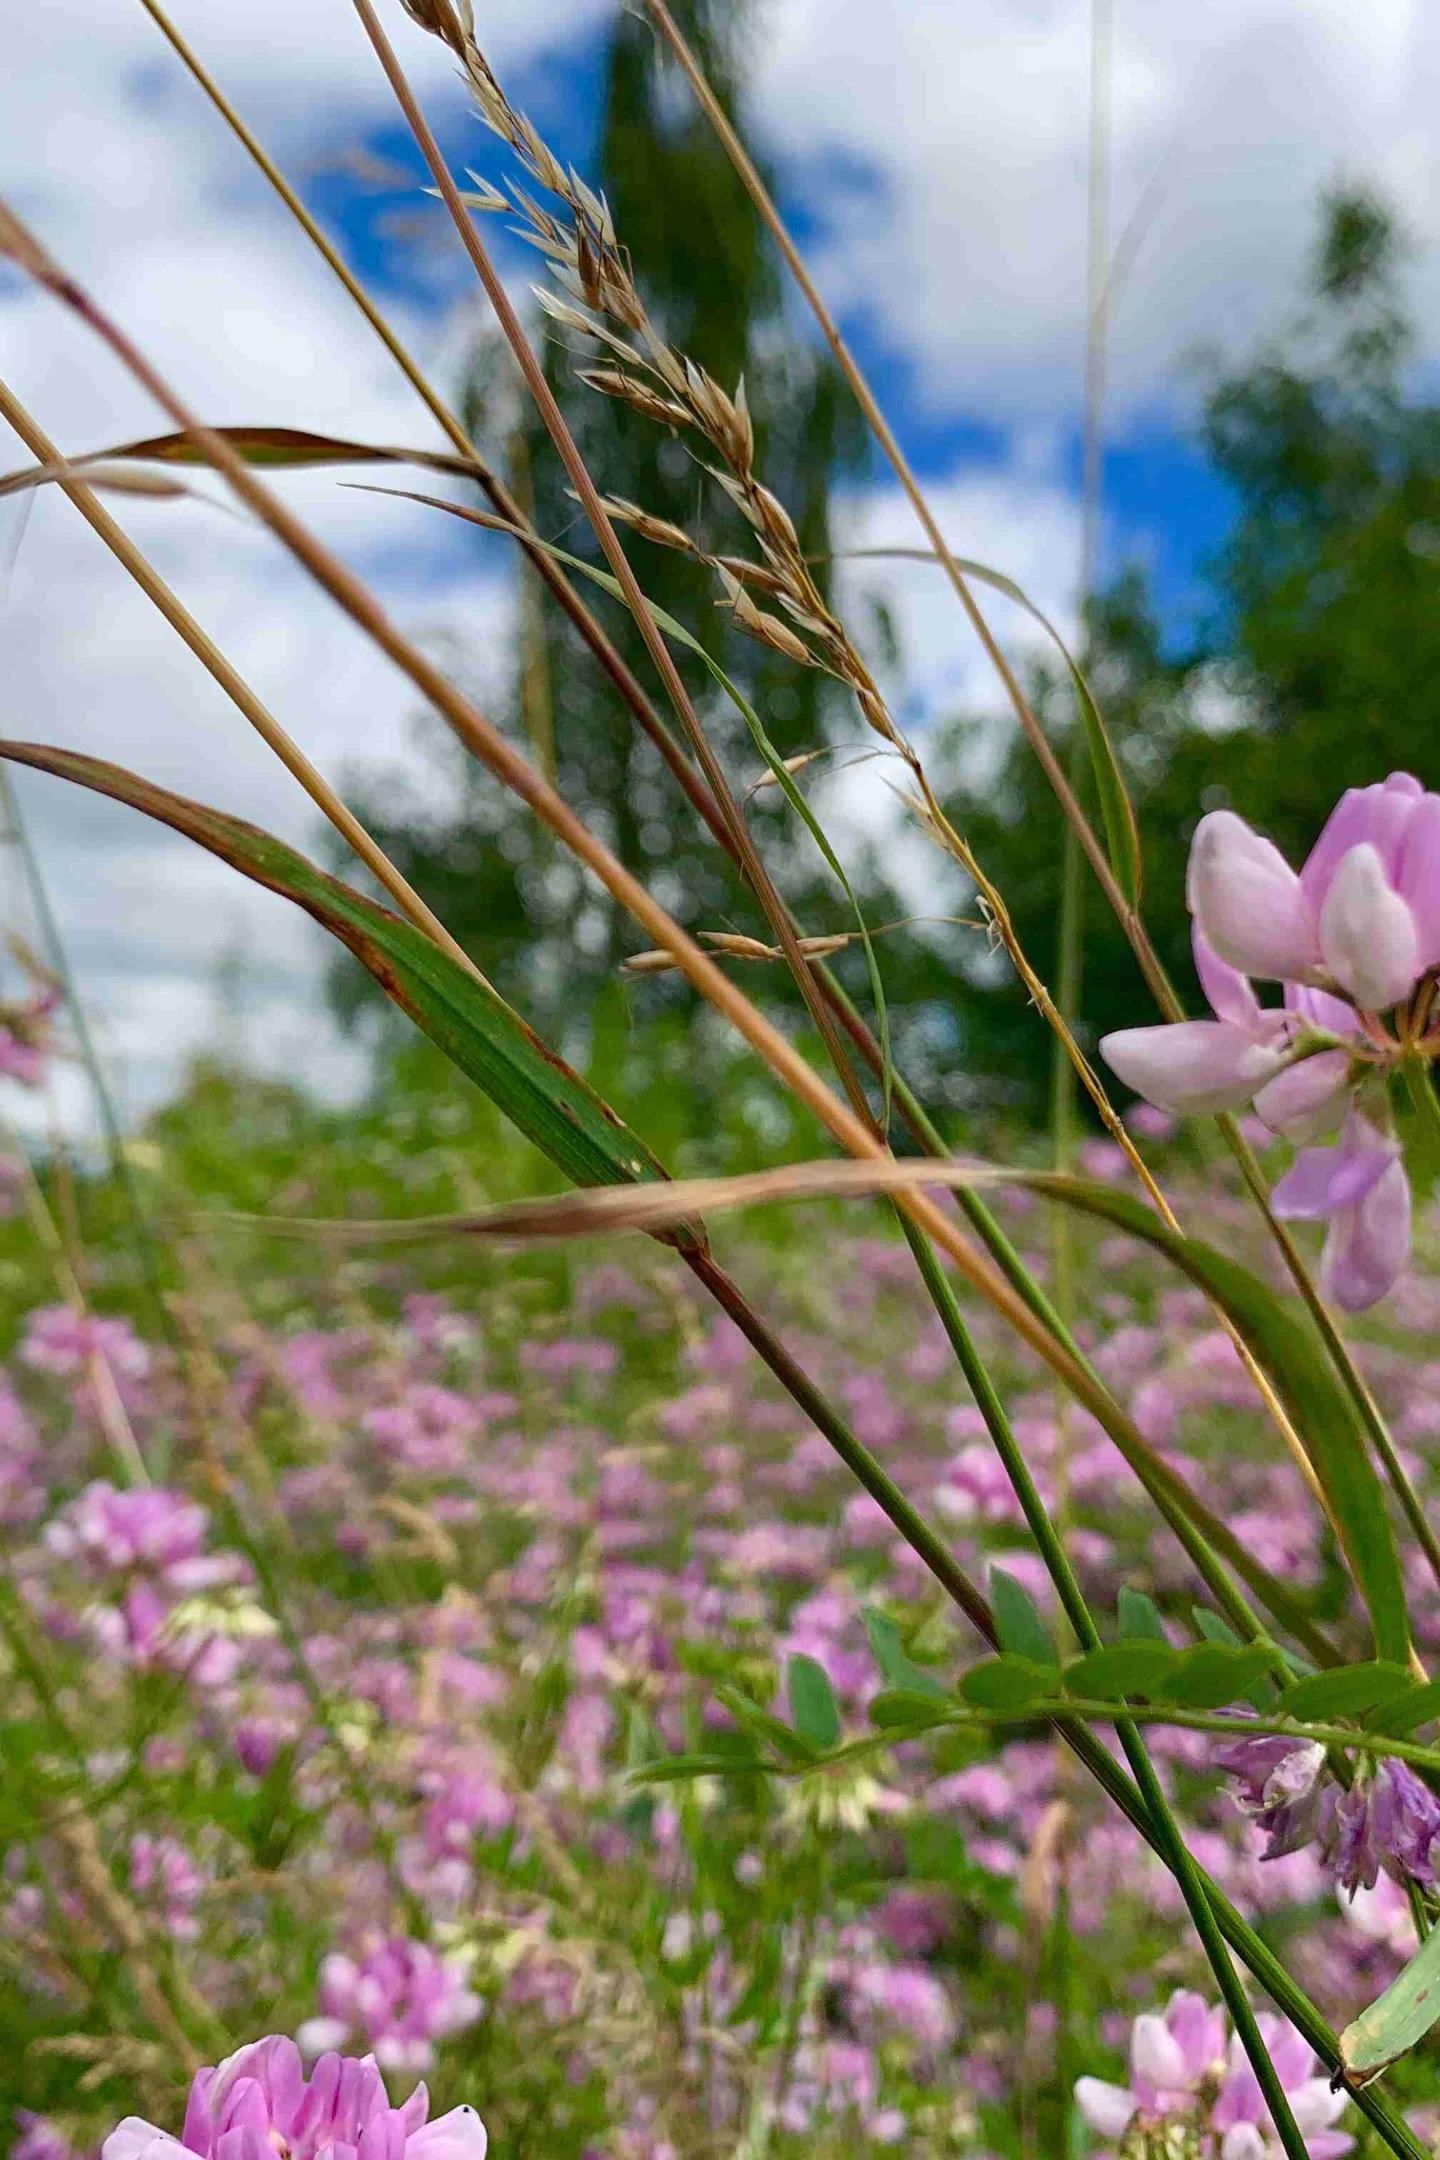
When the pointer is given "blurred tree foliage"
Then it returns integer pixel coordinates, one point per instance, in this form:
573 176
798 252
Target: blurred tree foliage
1319 667
1316 670
541 932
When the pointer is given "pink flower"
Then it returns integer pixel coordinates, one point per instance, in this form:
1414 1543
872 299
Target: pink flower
259 2103
58 1340
1192 1066
1350 936
1365 910
1183 2074
1362 1190
1171 2057
402 1995
1241 2116
105 1529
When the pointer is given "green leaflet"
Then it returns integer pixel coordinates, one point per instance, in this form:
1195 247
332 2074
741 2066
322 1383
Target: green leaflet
1018 1624
1319 1407
550 1103
814 1711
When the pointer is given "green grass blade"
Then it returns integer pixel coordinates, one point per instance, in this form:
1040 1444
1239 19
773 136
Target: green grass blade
549 1102
1320 1408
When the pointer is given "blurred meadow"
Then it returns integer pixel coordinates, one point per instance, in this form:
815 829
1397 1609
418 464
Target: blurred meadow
717 668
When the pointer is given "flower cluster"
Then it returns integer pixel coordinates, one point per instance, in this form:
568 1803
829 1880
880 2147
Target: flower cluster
1190 2092
259 2103
1353 936
402 1996
1388 1819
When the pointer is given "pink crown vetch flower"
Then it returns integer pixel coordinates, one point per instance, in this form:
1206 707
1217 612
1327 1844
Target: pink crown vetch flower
1353 936
258 2104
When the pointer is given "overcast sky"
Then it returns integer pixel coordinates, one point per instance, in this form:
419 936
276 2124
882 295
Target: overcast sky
934 152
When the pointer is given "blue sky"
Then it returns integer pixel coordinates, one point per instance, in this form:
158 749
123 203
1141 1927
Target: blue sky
932 155
1167 509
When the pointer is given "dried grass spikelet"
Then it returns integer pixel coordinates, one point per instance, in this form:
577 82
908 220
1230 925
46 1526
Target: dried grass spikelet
792 765
735 946
649 963
649 527
766 629
451 20
610 382
752 573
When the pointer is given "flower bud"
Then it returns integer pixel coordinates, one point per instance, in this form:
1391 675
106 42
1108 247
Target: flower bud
1367 933
1247 900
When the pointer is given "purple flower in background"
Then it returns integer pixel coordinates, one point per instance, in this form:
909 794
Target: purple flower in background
1241 2116
39 2139
1350 936
1184 2077
1171 2057
259 2103
401 1995
57 1340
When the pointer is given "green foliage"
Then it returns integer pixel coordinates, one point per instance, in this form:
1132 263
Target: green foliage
1313 671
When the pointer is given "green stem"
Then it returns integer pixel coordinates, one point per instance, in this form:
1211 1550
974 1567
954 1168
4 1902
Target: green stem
1422 1095
1167 1838
1105 1713
1271 1975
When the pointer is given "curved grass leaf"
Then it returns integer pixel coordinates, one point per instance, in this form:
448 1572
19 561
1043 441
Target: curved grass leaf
550 1102
274 447
1398 2019
1319 1407
775 764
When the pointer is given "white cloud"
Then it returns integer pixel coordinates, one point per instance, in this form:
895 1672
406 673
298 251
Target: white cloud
963 234
969 249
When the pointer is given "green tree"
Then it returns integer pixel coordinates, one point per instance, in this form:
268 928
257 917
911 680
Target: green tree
1317 670
713 287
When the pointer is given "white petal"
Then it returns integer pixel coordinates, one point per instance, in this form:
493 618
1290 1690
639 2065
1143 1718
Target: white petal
1368 937
137 2140
460 2135
1156 2055
1107 2108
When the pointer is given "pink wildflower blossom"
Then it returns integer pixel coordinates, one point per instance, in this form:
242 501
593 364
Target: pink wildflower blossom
258 2103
